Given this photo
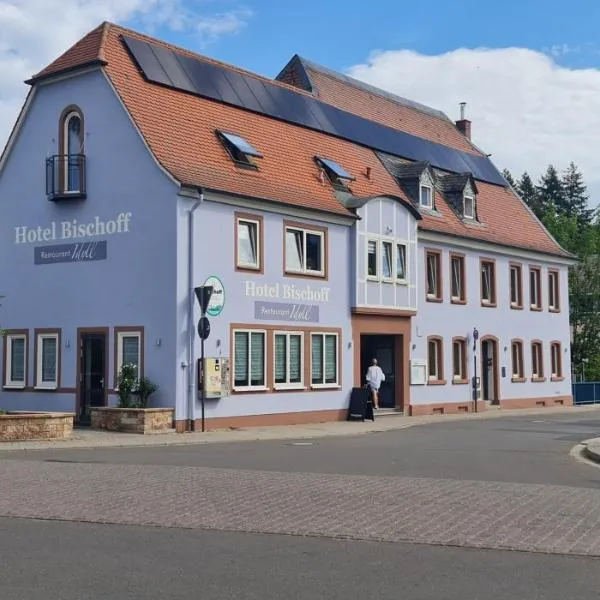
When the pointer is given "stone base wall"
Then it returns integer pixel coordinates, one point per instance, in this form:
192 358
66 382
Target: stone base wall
133 420
537 402
17 426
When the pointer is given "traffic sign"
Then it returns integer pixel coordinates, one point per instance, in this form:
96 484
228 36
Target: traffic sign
203 328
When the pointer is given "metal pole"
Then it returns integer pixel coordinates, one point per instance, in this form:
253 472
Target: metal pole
475 376
202 379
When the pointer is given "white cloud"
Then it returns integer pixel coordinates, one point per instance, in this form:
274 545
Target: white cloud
35 32
526 109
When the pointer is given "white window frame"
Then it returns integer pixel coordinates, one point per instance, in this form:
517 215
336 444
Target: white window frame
553 290
489 267
300 385
335 385
518 303
377 275
538 288
249 388
462 296
9 383
120 336
429 205
462 345
438 355
304 270
395 258
46 385
537 349
437 261
256 224
518 346
382 245
379 245
471 215
555 360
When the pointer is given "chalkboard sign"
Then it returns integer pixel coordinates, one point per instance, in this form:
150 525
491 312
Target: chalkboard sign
361 407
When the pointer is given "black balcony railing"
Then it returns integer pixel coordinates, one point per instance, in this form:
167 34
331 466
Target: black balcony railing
65 176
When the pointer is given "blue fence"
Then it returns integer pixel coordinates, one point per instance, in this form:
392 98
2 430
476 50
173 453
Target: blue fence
587 392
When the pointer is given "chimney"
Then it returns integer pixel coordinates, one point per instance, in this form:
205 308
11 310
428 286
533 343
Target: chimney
464 125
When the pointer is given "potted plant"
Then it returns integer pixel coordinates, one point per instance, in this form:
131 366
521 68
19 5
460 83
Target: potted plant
132 413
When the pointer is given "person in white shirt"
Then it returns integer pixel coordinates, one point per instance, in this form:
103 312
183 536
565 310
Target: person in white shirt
375 377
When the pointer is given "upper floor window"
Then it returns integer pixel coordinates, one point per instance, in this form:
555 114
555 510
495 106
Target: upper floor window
249 242
516 286
435 360
15 352
47 359
553 291
400 262
469 207
458 292
556 360
386 260
535 288
434 275
305 250
537 361
426 196
488 283
518 371
239 149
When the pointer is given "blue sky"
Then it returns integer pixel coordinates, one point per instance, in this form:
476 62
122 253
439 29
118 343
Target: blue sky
342 33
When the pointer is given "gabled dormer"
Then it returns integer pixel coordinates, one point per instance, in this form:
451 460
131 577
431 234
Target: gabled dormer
416 179
460 191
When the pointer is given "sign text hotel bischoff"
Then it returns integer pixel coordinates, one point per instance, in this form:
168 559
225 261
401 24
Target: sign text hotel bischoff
295 310
82 250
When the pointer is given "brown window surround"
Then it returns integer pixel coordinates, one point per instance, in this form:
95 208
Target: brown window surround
537 356
516 292
260 239
125 330
535 275
554 291
556 372
270 330
459 344
488 264
517 356
36 334
15 332
458 296
63 139
433 287
325 250
436 343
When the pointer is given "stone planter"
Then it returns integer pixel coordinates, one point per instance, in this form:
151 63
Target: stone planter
20 425
133 420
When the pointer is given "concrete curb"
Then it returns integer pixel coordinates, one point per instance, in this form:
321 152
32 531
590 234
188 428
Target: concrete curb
100 439
591 449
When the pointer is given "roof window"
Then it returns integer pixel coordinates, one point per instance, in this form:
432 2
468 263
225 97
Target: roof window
239 149
338 176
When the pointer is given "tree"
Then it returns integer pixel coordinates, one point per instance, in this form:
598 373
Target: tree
551 193
576 198
529 193
508 176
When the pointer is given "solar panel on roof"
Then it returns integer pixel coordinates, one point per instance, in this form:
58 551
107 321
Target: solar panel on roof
244 91
336 169
241 144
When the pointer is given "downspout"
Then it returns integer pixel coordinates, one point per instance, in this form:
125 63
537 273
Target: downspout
191 296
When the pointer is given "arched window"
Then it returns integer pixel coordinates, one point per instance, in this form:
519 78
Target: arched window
71 137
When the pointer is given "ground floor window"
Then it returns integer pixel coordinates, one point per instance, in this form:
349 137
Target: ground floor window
289 363
518 371
556 359
435 360
537 364
459 360
249 350
47 359
324 359
15 351
129 350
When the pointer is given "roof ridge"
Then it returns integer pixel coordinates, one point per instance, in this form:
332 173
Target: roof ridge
375 90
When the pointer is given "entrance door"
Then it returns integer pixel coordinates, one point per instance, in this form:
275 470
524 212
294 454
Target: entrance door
380 347
489 371
92 374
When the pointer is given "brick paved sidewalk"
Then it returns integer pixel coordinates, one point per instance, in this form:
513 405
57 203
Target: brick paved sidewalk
87 438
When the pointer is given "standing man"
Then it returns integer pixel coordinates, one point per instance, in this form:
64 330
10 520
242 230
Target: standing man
375 377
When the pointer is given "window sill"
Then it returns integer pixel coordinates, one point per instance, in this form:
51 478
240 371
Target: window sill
46 388
14 387
434 299
554 310
245 390
460 381
436 382
538 379
518 379
311 274
516 306
557 378
283 387
488 304
458 301
536 308
325 386
249 268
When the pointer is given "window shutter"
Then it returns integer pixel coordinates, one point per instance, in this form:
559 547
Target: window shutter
280 358
317 358
295 358
241 358
330 359
257 358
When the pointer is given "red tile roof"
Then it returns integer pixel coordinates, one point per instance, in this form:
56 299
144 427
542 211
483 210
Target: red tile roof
179 128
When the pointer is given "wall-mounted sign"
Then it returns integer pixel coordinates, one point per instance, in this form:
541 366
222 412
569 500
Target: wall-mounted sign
281 311
286 291
418 372
217 300
72 230
78 252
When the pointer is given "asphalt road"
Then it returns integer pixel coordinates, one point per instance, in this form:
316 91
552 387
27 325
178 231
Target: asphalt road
504 482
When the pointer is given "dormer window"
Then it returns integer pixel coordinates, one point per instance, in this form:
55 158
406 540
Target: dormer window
469 207
337 175
426 196
239 149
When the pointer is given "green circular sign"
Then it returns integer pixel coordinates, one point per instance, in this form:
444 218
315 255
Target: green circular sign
217 300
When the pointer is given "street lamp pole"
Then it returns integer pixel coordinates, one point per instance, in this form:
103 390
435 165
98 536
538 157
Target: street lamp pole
474 382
